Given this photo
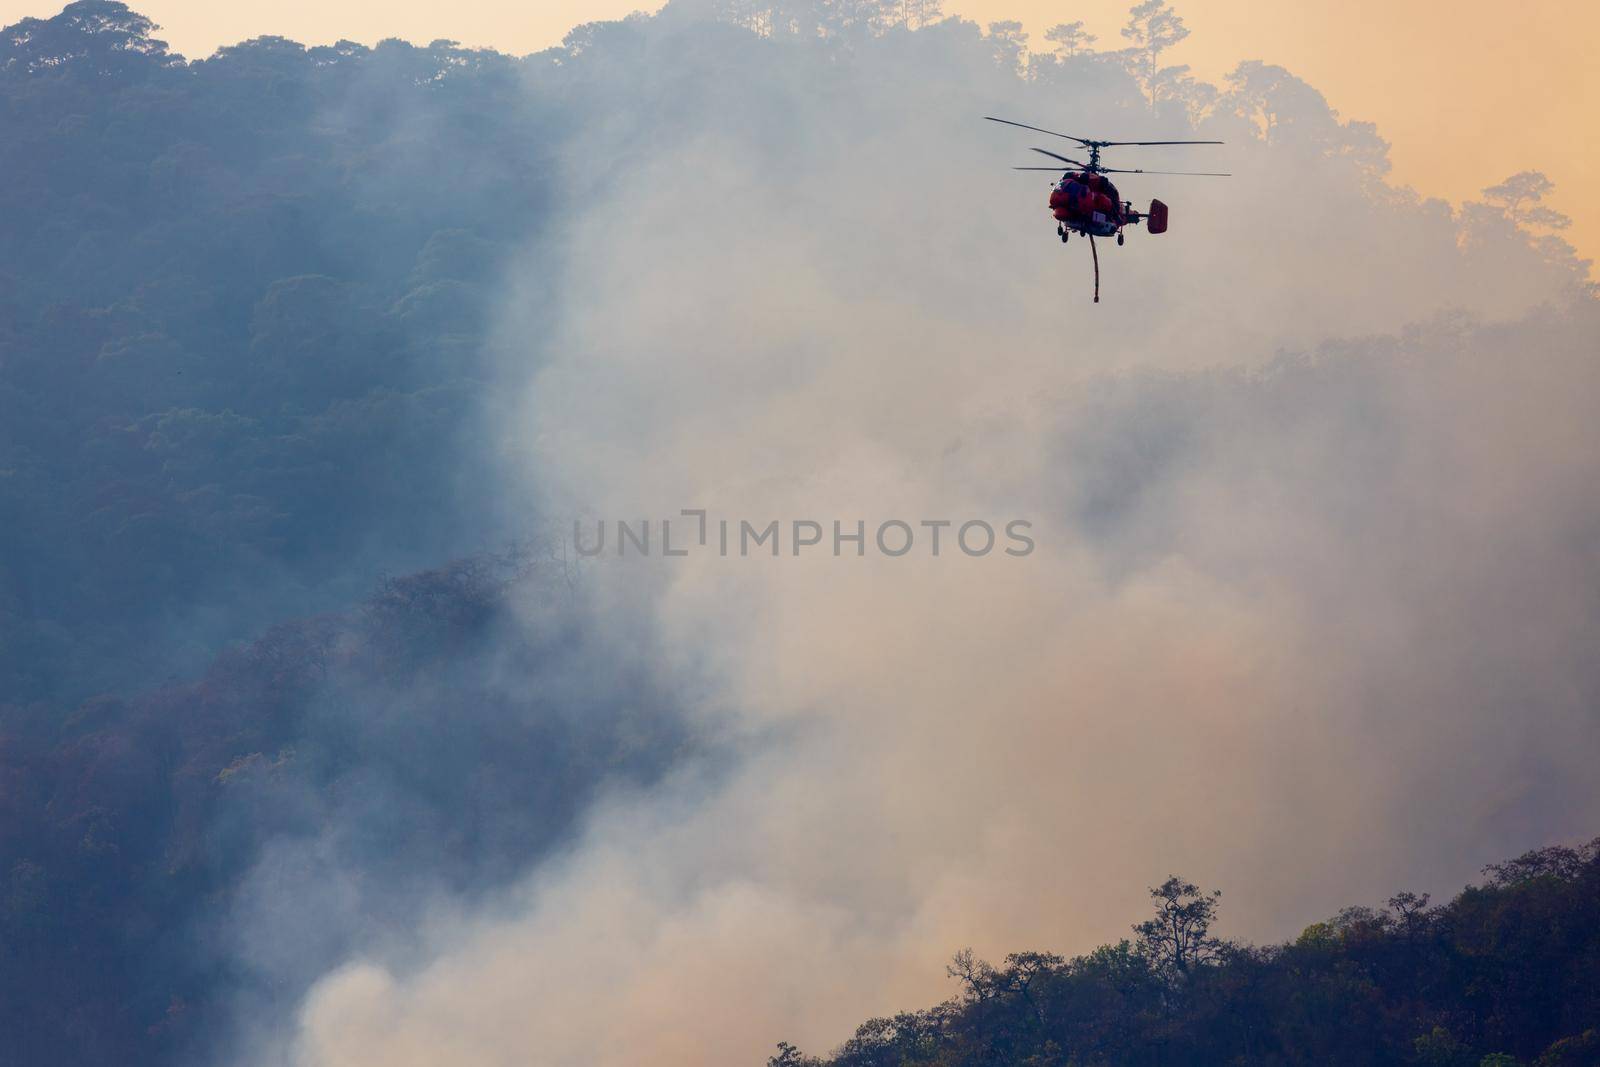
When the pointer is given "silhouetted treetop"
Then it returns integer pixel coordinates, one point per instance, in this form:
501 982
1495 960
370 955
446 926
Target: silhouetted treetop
97 37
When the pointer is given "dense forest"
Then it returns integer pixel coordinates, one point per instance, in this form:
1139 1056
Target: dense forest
1506 973
284 654
240 352
242 364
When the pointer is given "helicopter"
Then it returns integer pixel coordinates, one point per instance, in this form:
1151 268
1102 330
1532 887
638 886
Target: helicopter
1085 201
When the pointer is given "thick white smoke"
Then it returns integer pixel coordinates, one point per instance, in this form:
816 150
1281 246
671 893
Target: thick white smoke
1309 616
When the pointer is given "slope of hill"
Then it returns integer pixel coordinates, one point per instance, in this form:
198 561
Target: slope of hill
1506 973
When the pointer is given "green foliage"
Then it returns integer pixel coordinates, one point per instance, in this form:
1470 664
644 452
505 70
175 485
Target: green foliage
1440 1048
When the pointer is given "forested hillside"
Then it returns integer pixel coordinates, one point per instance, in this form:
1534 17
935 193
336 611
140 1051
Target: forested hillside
310 788
242 319
248 350
1506 973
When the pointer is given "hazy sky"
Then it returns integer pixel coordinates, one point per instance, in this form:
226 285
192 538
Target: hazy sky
1465 94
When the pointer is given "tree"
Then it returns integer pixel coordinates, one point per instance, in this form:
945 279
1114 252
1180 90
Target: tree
1070 38
856 18
1178 83
1410 907
1153 27
1519 198
1178 939
788 1056
1010 43
1025 970
975 975
919 13
1442 1048
91 36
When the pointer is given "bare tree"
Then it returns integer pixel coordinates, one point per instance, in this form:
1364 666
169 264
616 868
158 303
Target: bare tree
1178 939
977 976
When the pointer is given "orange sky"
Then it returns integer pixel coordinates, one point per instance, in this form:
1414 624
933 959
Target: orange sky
1466 91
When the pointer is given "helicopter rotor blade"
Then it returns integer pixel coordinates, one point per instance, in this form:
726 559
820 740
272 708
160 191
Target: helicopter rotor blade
1106 144
1087 142
1182 173
1037 129
1052 170
1063 159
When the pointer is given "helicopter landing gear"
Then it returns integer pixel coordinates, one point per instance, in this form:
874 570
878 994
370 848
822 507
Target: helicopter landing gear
1119 237
1063 231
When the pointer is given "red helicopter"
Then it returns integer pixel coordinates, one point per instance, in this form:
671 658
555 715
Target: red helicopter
1085 201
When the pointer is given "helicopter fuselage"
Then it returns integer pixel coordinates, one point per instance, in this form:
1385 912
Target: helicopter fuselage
1088 203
